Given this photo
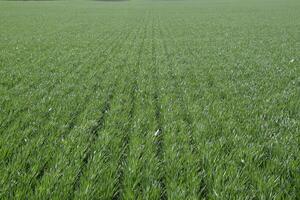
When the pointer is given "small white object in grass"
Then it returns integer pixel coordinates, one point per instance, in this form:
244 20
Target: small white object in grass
50 109
156 133
215 193
293 60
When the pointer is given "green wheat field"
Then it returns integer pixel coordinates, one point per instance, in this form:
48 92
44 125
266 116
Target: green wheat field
150 99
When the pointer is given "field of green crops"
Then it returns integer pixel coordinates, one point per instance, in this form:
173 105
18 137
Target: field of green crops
150 99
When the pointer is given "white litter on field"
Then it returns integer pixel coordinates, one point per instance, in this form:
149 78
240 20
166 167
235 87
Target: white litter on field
156 133
293 60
